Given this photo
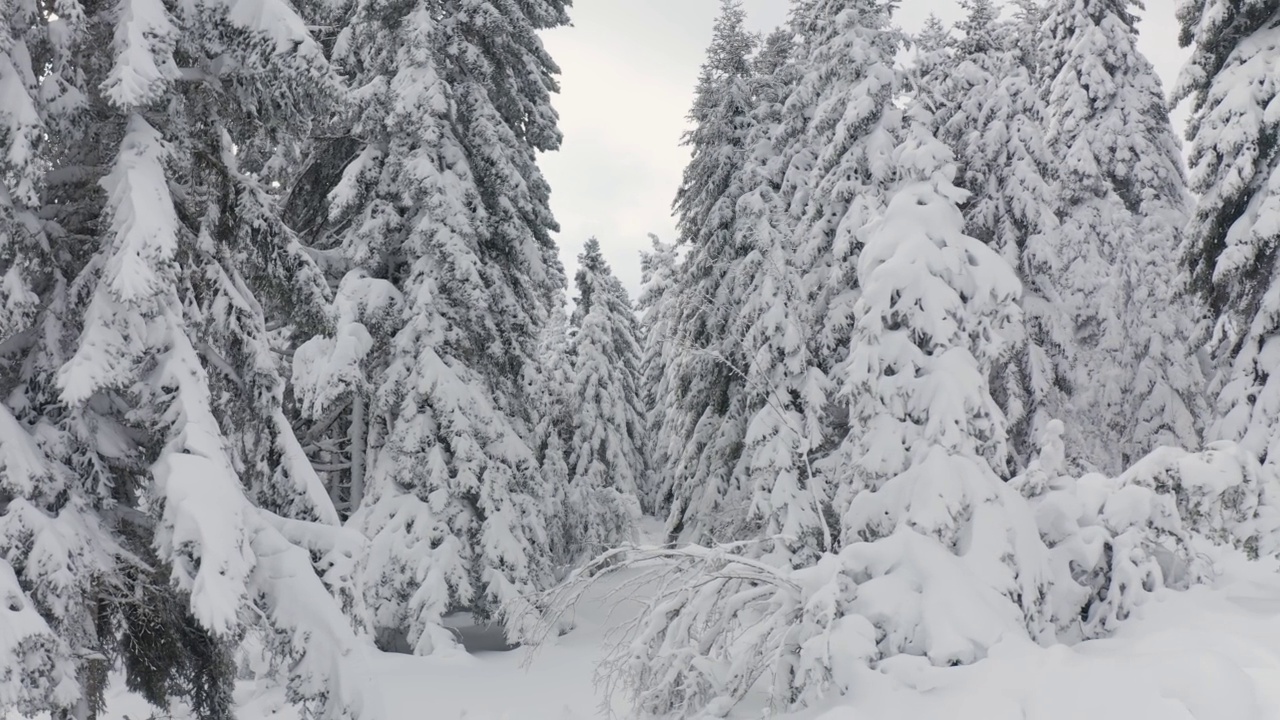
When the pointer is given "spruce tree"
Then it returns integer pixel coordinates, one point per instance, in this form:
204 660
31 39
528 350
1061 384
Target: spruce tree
837 169
1123 205
439 198
709 421
657 305
163 505
986 107
784 392
608 447
21 131
819 176
552 435
56 552
925 523
921 474
810 177
1231 240
934 37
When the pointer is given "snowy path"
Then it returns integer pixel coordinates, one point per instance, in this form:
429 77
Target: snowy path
1211 653
556 685
1205 654
554 682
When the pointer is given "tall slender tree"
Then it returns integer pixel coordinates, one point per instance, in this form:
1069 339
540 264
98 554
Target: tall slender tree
709 423
41 501
838 171
609 446
836 131
552 435
784 391
1124 203
657 305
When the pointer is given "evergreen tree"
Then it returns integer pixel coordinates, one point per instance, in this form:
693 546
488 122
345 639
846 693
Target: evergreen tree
838 171
553 433
657 304
926 525
21 130
818 177
987 108
810 177
1231 240
1025 26
921 469
934 36
440 198
165 504
784 392
608 449
709 419
56 552
1123 204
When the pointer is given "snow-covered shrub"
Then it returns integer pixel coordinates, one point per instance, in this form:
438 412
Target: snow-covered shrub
719 623
1154 526
716 622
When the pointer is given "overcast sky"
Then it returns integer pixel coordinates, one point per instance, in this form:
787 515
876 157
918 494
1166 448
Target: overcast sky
629 71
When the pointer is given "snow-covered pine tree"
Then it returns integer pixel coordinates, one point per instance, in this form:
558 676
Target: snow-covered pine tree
987 108
1024 27
1123 206
608 447
934 36
927 79
783 390
658 311
164 510
919 470
552 433
821 146
838 169
439 199
58 561
709 422
1230 246
817 174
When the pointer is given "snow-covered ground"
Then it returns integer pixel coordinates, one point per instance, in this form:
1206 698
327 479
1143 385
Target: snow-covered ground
1210 653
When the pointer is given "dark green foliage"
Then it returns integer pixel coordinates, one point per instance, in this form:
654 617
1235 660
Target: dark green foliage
166 654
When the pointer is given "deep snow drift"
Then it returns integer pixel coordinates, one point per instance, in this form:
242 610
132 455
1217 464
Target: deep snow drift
1208 653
